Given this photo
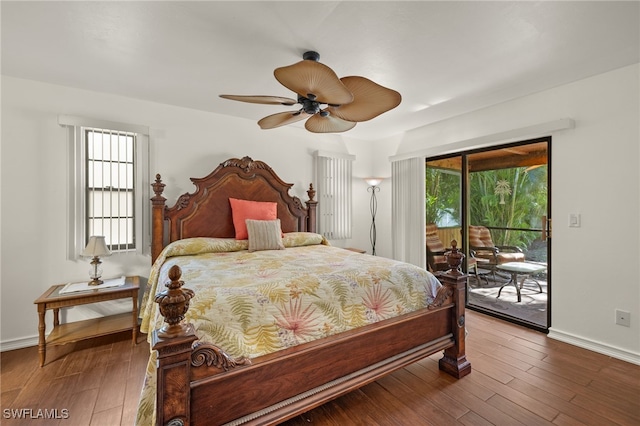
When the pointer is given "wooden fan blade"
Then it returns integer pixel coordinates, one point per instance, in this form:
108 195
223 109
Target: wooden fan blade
329 124
369 100
309 77
268 100
281 119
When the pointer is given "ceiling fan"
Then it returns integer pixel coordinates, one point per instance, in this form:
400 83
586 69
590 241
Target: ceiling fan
330 104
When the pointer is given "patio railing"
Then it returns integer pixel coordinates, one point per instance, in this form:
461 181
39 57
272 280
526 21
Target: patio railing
535 250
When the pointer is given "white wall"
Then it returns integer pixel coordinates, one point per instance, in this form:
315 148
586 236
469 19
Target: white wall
595 172
184 143
371 162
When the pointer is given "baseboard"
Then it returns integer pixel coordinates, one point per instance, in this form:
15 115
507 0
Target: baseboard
594 346
21 343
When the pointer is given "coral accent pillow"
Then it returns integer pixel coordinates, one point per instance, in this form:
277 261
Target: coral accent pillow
241 210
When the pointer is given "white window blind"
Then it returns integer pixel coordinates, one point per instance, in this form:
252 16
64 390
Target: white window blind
334 188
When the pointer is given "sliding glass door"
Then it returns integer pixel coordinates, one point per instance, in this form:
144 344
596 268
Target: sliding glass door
443 201
495 204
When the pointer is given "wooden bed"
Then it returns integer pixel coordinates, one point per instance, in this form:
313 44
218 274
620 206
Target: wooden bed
199 384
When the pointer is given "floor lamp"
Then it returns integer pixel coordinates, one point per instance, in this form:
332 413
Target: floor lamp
373 188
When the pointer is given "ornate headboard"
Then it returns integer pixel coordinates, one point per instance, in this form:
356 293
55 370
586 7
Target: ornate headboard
207 212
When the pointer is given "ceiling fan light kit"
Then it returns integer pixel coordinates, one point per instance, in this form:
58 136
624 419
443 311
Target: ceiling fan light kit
328 103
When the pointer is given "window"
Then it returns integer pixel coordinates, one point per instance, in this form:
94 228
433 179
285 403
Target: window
108 185
110 189
334 194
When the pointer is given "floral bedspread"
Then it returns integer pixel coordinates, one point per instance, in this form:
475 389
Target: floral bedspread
254 303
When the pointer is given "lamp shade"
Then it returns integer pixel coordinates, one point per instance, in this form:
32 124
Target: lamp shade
373 181
96 247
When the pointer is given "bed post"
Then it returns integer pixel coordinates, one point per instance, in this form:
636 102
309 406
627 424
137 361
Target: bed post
311 207
157 219
173 369
454 360
173 364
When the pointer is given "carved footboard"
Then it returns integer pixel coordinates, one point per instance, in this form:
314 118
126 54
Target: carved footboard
198 383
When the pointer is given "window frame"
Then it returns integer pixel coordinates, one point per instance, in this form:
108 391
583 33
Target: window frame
110 190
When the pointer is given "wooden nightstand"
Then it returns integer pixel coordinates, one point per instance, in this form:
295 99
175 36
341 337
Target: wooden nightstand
357 250
81 330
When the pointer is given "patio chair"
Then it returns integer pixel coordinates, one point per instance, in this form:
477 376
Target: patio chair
436 253
436 260
482 246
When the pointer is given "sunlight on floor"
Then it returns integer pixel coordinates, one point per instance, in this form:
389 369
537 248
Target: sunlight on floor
532 308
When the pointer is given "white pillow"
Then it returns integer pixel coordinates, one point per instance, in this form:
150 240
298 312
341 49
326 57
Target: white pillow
264 235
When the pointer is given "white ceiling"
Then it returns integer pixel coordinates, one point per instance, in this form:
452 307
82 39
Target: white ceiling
445 58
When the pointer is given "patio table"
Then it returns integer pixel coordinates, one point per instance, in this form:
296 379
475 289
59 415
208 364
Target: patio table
521 268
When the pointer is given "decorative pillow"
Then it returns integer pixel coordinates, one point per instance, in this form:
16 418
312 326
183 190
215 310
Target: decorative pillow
264 235
241 210
299 239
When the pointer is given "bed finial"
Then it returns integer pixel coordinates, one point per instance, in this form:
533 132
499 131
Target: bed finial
174 304
311 193
158 186
454 259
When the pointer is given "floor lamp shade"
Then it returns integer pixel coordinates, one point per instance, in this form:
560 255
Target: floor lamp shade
373 181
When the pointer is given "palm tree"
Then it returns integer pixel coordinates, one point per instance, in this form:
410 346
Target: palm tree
527 204
502 188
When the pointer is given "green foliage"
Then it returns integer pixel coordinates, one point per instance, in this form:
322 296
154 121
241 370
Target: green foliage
524 194
442 195
522 208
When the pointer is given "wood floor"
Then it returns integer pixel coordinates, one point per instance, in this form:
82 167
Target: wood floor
519 377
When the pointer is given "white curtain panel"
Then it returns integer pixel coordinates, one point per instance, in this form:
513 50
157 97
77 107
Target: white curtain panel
408 212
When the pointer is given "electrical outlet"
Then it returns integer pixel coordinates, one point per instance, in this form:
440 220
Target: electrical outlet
623 318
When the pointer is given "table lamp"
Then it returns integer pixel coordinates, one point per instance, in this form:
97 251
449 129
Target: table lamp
95 248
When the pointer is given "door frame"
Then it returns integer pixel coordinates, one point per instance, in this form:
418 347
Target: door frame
465 218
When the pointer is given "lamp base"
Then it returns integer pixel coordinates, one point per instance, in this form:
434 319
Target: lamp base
95 281
96 271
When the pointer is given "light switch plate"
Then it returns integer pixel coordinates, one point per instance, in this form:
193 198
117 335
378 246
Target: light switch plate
574 220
